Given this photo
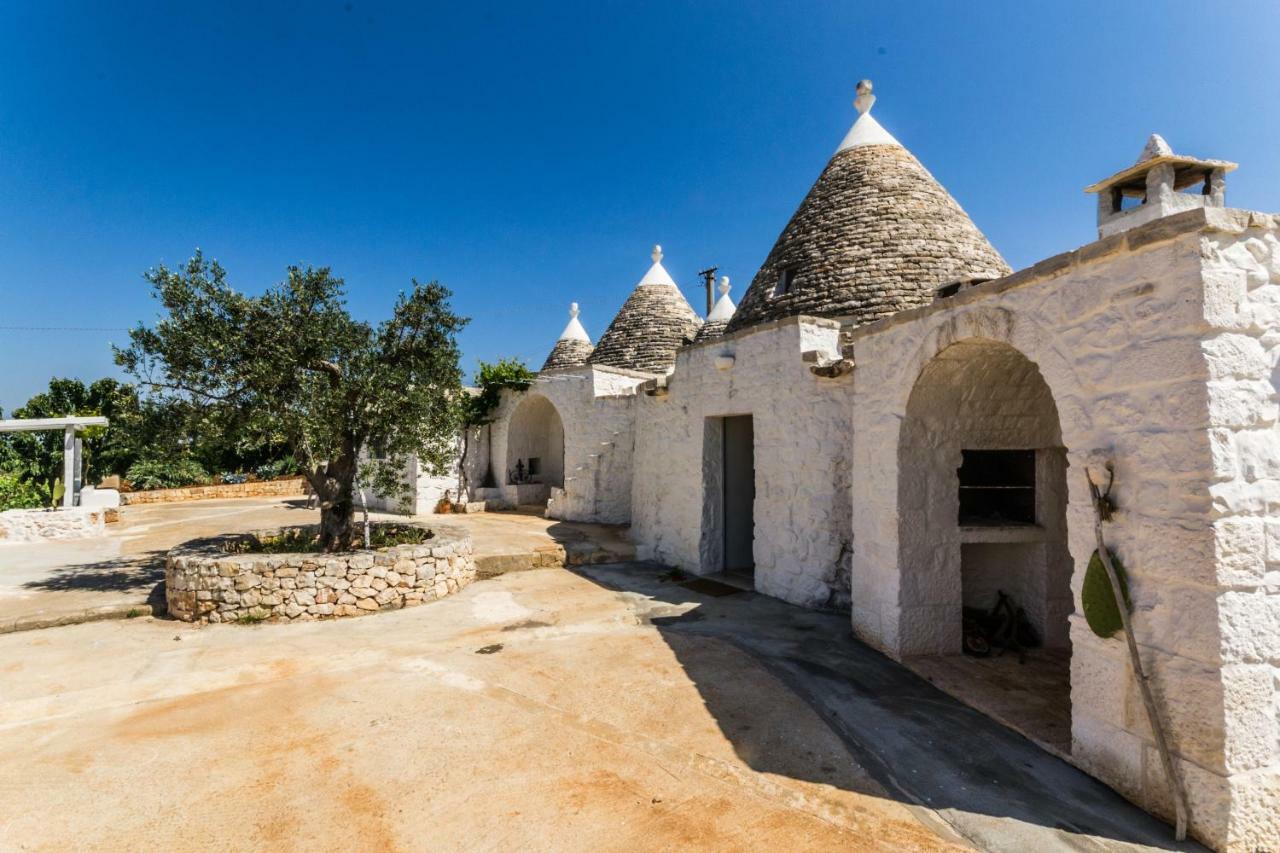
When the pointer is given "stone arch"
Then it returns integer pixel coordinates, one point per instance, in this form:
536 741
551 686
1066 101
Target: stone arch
979 398
535 435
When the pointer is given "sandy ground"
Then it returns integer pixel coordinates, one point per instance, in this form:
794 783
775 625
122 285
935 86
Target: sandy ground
537 711
119 572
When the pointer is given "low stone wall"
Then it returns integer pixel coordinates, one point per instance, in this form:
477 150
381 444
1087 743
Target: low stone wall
262 489
204 583
33 525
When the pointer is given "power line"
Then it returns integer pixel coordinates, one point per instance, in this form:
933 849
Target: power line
60 329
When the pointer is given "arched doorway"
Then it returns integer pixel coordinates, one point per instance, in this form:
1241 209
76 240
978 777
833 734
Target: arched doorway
982 501
535 449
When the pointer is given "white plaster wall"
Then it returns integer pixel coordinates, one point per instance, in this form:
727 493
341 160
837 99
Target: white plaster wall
536 431
801 458
425 491
597 410
1148 362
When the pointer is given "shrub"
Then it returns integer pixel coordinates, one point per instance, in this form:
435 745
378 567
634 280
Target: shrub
17 494
166 474
285 467
234 479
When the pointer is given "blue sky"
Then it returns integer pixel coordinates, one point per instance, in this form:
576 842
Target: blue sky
528 157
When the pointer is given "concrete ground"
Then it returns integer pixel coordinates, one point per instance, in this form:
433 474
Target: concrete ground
62 582
610 709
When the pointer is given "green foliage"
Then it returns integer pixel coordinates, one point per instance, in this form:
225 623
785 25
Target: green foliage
36 457
491 378
1097 599
286 467
166 474
305 540
16 493
292 365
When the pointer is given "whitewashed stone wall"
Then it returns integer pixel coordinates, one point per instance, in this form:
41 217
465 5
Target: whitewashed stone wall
424 491
597 410
1242 354
801 427
1142 340
33 525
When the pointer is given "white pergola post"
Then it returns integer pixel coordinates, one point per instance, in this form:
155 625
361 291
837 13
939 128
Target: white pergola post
72 448
68 467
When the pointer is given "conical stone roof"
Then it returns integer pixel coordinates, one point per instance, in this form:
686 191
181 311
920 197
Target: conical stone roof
653 323
574 346
876 234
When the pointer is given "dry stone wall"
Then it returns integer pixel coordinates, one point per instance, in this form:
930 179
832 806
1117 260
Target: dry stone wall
261 489
204 583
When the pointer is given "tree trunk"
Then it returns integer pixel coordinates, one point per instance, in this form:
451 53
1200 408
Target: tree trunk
336 522
334 485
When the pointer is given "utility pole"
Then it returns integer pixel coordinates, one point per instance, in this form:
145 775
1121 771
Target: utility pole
709 276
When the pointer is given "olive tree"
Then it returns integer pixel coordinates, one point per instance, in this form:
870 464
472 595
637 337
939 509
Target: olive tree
349 398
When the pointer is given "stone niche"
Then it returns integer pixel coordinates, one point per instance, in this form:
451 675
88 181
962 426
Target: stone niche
205 583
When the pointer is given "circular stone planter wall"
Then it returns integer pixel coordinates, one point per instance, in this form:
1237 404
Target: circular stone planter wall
204 583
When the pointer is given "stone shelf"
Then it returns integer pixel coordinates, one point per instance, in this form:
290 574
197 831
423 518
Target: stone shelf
1001 533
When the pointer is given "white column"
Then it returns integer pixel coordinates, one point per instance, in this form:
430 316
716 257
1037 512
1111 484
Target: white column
68 466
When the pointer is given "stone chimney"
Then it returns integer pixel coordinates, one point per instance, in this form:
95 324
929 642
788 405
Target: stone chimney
1161 183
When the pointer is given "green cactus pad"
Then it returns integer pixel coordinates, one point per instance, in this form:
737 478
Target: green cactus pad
1097 600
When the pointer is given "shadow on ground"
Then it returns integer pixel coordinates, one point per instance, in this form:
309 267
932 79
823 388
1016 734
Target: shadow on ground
141 572
919 744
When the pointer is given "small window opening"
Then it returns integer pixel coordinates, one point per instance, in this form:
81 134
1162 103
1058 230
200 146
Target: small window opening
1193 182
997 487
786 278
1127 198
535 466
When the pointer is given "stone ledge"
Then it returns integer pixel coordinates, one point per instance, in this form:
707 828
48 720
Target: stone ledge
35 525
204 583
260 489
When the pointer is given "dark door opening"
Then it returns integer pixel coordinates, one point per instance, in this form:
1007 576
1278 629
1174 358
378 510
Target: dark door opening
739 494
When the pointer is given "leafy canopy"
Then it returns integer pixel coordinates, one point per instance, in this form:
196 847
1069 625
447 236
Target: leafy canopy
490 379
294 364
36 457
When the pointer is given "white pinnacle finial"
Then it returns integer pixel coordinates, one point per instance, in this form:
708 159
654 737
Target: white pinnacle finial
657 273
722 311
573 331
865 100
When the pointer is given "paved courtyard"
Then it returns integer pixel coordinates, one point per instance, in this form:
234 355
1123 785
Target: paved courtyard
117 574
610 709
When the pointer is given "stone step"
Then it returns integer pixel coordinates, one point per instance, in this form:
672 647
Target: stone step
555 556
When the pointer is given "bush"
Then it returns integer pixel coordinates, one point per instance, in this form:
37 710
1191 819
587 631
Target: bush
234 479
285 467
166 474
16 494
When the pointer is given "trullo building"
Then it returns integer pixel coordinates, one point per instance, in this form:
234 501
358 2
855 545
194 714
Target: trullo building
894 424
